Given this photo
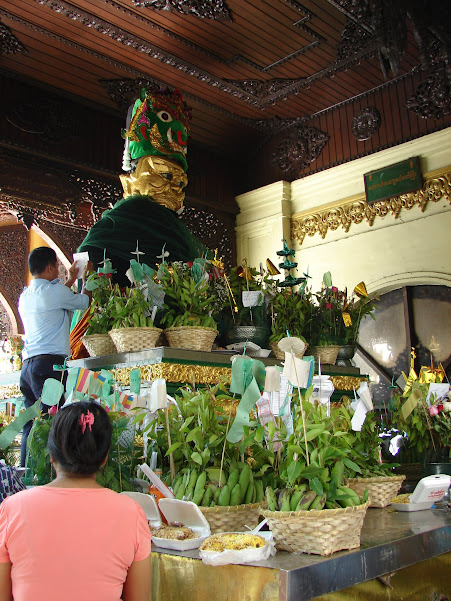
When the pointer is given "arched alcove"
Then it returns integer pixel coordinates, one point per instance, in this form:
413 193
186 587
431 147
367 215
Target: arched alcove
415 315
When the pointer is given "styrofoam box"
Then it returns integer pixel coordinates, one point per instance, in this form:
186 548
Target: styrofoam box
188 514
184 512
428 491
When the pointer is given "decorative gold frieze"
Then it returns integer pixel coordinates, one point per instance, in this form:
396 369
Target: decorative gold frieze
177 372
205 374
355 210
347 382
11 391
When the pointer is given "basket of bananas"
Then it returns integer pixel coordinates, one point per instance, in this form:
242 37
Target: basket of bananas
304 522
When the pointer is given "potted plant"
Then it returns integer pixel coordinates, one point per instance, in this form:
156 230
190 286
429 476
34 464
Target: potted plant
291 314
353 309
246 314
336 319
96 339
427 427
191 302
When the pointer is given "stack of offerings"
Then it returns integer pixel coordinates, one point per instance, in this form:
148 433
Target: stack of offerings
229 502
428 491
304 522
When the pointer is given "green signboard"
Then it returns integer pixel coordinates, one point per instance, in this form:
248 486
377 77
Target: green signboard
393 180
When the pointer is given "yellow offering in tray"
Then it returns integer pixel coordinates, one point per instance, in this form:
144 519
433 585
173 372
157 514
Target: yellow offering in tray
232 541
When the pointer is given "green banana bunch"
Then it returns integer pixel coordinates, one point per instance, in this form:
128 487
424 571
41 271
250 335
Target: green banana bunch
347 497
129 310
301 498
203 487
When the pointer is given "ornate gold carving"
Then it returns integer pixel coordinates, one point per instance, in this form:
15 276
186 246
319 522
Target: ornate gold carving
11 391
205 374
436 186
159 178
347 382
176 372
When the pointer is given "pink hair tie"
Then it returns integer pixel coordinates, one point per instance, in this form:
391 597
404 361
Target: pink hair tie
84 420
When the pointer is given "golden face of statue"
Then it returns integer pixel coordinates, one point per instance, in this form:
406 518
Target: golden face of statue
159 178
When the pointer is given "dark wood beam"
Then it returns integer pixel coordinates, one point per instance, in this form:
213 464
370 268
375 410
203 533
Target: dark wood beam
411 337
384 375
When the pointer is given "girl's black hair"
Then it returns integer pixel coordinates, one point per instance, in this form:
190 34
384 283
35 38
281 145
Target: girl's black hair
79 453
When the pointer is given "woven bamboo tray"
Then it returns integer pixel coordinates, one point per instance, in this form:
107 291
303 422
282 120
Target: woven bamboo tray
233 518
134 339
99 344
327 354
191 337
381 489
278 354
320 532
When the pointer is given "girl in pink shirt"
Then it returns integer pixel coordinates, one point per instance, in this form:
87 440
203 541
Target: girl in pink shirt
73 539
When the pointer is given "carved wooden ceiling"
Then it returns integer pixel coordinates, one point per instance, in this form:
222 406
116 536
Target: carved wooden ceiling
245 66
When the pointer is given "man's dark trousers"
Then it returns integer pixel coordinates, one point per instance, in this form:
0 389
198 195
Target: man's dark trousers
35 372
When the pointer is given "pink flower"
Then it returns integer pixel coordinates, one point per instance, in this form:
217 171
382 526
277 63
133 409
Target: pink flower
328 305
53 410
433 410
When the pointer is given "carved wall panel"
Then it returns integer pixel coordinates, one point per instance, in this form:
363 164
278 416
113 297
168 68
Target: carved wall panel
366 123
300 148
214 231
13 262
9 44
68 239
5 324
217 10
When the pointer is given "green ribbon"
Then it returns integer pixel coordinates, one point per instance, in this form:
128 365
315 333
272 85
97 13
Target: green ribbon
135 380
248 379
12 430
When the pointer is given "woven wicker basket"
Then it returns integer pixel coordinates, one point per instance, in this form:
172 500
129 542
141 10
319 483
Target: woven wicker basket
320 532
191 337
134 339
99 344
233 518
278 354
327 354
381 489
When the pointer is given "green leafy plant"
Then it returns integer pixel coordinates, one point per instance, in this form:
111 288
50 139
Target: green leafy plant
427 428
117 473
336 317
190 299
128 308
246 279
291 314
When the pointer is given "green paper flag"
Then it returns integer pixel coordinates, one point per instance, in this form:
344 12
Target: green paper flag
52 391
110 400
327 279
12 430
106 388
135 380
247 403
248 379
72 375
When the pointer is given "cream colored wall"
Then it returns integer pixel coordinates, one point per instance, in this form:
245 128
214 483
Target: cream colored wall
412 249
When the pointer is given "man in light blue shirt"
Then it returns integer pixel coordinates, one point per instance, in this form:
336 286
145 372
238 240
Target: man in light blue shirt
44 308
